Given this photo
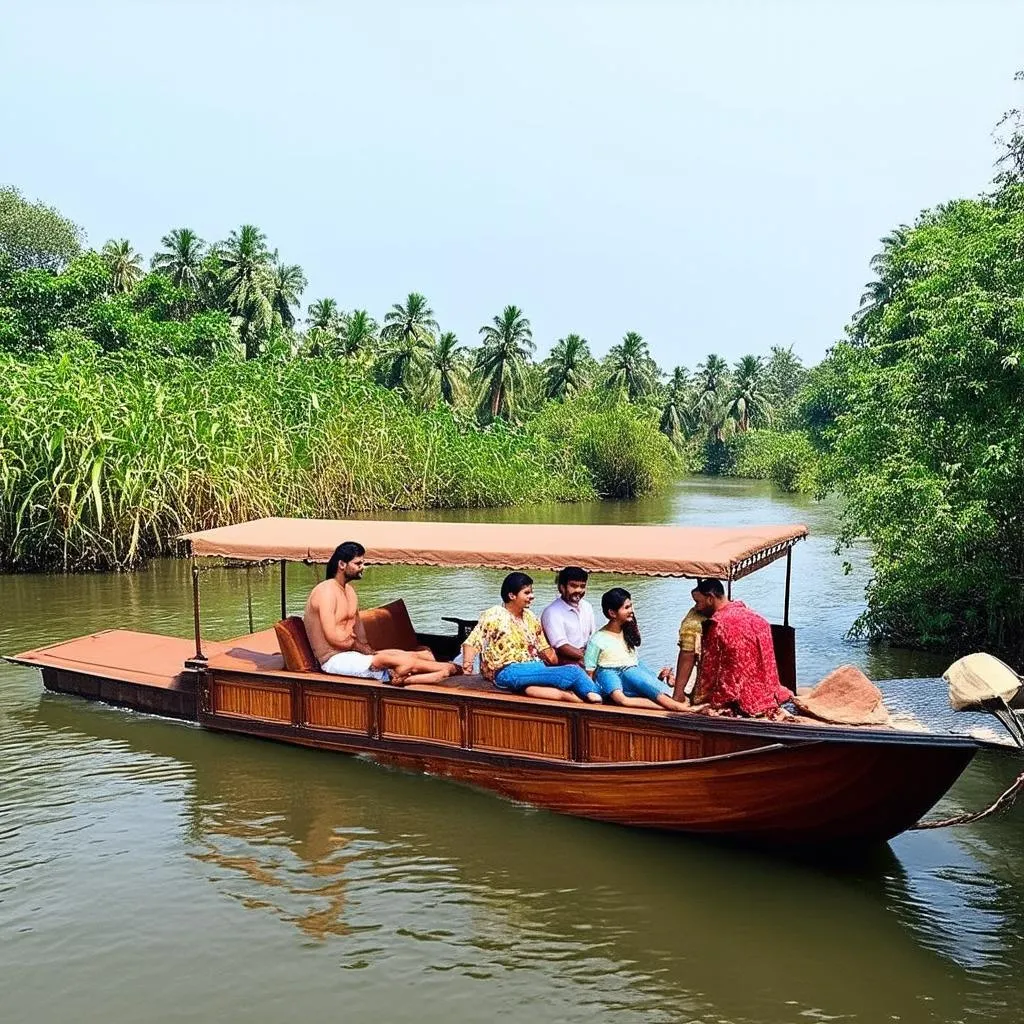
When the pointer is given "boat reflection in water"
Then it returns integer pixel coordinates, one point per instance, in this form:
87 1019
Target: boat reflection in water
391 866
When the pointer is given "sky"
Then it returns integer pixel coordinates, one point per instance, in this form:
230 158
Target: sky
715 176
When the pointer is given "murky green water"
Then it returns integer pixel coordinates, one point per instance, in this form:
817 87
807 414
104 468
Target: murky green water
150 871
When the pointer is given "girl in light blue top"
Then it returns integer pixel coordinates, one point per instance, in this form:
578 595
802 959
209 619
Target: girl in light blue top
612 661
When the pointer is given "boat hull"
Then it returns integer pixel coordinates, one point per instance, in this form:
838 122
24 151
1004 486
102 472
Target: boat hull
816 794
750 781
769 783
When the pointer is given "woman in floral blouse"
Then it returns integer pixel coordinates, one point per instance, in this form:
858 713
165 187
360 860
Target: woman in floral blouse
515 654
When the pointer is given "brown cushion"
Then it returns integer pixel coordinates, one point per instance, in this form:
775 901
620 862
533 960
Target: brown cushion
389 627
291 638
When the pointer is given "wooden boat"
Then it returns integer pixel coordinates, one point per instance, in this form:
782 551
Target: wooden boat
776 783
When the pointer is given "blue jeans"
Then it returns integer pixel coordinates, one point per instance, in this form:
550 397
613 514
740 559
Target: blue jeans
518 676
636 681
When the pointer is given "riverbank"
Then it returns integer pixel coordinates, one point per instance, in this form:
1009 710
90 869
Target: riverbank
107 459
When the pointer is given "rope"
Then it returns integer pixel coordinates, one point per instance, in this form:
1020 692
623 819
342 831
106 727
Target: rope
1005 799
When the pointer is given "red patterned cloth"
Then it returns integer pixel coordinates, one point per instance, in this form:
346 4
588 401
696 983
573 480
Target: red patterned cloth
737 669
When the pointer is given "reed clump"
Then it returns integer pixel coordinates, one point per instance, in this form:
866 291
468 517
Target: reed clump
789 458
619 443
106 460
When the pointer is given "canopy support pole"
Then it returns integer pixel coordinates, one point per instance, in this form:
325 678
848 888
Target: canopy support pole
728 588
284 598
248 594
199 661
789 574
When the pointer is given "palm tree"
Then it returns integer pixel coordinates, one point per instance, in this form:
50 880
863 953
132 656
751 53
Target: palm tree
245 261
567 370
711 375
408 334
749 401
414 319
124 264
679 382
323 315
447 368
287 283
671 422
181 258
358 334
501 361
675 418
323 325
631 368
876 296
710 404
878 293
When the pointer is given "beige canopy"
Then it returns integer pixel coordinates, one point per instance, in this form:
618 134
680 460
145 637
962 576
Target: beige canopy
727 553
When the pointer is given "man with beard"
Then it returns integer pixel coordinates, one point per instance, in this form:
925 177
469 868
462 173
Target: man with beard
339 640
569 620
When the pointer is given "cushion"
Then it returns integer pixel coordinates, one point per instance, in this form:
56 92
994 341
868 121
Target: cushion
389 627
291 638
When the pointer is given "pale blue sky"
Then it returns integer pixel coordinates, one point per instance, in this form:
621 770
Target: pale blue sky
713 175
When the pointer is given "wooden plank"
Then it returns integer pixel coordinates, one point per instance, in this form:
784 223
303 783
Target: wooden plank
521 733
342 712
421 720
610 743
252 700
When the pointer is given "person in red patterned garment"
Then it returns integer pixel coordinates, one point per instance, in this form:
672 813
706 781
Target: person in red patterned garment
738 674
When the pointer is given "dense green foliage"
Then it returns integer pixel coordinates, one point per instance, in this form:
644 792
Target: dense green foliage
788 457
34 236
105 459
922 413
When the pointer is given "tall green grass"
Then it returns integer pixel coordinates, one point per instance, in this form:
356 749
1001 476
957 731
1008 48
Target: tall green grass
105 460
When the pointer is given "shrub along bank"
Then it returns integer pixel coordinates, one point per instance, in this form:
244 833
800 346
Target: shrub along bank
789 458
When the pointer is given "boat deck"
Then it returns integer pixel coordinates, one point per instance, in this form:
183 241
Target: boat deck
142 671
146 671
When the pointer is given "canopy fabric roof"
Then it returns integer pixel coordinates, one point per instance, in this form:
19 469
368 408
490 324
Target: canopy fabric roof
723 552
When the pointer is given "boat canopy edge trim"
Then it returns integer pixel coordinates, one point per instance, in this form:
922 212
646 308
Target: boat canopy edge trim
723 552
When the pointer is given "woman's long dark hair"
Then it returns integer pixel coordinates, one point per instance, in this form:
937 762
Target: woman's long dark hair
611 601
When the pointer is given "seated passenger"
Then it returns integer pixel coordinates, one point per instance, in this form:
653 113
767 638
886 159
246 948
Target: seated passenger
337 636
515 654
738 673
691 631
569 620
612 660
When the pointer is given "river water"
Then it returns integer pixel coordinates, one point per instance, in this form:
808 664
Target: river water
150 871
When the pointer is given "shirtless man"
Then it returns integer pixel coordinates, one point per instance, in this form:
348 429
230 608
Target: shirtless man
339 640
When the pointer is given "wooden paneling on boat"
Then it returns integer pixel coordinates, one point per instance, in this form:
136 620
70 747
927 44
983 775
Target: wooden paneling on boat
771 783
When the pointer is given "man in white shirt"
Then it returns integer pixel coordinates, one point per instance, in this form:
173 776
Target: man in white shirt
569 620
